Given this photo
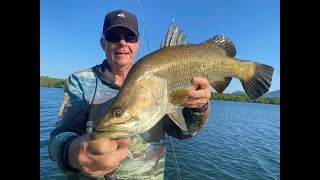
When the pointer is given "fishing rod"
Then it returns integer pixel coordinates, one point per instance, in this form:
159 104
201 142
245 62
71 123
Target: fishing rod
169 137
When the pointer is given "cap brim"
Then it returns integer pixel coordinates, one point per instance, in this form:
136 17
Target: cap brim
122 25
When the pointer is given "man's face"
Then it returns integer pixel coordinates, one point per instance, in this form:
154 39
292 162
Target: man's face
121 46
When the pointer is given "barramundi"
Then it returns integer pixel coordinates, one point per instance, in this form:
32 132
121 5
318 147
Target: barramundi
159 82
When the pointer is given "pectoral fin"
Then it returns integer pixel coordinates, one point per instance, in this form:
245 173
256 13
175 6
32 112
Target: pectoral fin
178 97
177 117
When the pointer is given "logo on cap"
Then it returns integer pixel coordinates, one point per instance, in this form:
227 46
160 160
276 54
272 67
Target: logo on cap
121 15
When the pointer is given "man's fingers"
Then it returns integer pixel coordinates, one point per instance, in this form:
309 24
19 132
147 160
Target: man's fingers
195 103
199 97
200 94
111 159
202 82
108 161
203 90
122 141
119 155
102 146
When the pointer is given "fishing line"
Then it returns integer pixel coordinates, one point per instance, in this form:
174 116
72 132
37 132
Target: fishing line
174 158
144 26
169 137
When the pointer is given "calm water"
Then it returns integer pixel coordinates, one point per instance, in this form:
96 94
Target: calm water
240 141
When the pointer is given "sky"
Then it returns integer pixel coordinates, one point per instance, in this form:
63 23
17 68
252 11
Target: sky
70 30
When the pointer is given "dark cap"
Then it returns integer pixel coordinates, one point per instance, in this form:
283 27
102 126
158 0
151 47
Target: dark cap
121 18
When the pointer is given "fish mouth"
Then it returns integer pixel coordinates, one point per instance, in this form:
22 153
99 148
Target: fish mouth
106 129
113 129
118 126
110 134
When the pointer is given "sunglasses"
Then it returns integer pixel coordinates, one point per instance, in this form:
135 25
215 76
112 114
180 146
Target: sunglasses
116 37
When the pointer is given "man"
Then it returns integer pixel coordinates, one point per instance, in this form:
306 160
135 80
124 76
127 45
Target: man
89 91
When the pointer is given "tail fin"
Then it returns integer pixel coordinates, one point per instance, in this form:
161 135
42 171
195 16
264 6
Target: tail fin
260 82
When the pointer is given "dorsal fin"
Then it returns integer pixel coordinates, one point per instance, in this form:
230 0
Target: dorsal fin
223 42
174 36
169 35
161 45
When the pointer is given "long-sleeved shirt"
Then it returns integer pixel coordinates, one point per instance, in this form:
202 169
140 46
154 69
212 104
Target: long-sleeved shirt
86 94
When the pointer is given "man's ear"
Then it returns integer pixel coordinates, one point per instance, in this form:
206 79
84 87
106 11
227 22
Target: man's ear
103 43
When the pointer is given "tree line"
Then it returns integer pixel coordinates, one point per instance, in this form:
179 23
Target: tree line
244 98
46 81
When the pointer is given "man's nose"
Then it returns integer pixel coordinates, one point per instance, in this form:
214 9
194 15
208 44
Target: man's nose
122 42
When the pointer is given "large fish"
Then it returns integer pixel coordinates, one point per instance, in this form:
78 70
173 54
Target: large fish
158 84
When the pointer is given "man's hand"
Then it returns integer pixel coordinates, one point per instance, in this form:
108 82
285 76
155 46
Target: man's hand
199 97
97 157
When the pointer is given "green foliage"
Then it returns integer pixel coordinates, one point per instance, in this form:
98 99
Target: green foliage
244 98
46 81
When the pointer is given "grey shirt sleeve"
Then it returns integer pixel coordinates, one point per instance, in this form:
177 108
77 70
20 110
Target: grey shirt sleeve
71 123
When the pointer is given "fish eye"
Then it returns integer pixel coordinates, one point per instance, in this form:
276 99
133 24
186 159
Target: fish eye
117 113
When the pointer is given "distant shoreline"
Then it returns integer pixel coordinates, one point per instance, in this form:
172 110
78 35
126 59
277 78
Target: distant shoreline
229 97
49 82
